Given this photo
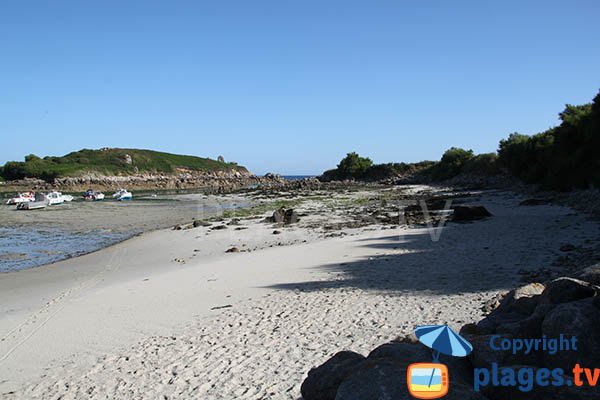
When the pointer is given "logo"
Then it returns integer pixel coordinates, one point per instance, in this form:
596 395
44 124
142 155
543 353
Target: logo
427 380
431 380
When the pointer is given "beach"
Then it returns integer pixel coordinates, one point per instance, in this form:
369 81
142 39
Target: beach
243 308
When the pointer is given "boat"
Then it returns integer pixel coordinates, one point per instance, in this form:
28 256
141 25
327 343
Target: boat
54 198
39 201
67 197
92 195
122 195
21 198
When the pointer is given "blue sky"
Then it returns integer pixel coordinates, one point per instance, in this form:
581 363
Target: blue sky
290 86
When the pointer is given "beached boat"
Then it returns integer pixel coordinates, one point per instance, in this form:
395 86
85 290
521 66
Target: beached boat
25 197
55 198
67 197
122 195
39 201
92 195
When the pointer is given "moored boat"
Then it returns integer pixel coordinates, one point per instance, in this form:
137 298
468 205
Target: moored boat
21 198
54 198
39 201
122 195
92 195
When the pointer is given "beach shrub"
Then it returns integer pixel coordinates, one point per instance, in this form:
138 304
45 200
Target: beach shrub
563 157
353 166
451 164
482 164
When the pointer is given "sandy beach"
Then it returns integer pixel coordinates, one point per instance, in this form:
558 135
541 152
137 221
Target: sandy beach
172 314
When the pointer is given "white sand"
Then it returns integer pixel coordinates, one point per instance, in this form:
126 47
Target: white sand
130 322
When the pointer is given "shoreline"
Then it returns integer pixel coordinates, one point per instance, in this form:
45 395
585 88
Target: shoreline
123 301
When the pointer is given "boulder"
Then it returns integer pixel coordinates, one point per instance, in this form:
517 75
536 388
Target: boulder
322 382
233 250
564 290
538 392
469 213
291 217
199 223
590 275
384 378
582 320
278 216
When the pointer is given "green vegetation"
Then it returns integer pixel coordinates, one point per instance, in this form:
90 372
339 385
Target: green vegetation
262 208
356 167
562 158
108 162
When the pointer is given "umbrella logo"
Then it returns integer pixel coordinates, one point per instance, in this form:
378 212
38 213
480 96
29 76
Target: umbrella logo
431 380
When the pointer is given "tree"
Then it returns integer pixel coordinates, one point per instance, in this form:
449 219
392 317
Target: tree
353 166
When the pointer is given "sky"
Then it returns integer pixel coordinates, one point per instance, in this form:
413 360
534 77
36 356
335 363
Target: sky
290 86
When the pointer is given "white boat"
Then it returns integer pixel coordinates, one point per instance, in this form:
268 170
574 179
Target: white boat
122 195
25 197
92 195
39 201
67 197
54 198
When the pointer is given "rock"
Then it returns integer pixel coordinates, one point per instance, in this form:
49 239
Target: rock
177 227
220 159
234 221
590 275
564 290
127 159
322 382
580 319
567 247
219 227
233 250
278 216
276 232
377 379
199 223
291 217
386 379
469 213
538 392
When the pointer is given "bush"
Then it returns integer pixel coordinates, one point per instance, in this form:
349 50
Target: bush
452 163
353 166
483 164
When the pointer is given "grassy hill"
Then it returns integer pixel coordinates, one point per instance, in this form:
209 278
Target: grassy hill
109 161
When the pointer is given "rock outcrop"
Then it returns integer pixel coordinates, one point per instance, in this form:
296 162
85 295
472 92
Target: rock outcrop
565 306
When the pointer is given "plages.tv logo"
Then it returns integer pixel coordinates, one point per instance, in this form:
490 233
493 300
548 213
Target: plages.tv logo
431 380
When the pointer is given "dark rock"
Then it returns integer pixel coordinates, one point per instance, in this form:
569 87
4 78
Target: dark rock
233 250
582 320
278 216
564 290
590 275
538 392
219 227
291 217
322 382
276 232
469 213
199 223
384 378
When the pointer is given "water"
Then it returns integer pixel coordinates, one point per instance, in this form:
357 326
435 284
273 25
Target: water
34 238
297 177
25 247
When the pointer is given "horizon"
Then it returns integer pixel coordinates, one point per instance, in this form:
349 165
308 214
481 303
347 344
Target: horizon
290 88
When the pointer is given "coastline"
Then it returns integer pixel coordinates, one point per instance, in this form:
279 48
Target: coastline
244 324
